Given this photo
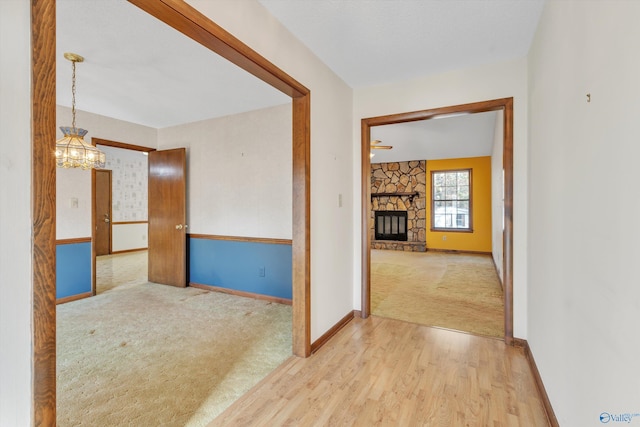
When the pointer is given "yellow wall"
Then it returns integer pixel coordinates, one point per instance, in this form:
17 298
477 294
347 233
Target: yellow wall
480 239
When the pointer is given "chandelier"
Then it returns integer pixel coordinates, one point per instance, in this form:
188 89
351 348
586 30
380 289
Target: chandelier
71 150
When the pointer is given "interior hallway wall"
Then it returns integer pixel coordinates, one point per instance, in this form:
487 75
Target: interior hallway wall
584 298
332 262
239 172
15 213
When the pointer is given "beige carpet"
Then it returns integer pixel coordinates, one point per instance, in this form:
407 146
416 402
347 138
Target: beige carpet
154 355
455 291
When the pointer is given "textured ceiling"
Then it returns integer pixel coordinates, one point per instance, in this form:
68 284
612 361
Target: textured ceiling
370 42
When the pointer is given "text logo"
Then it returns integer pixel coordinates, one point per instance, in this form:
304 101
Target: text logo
606 417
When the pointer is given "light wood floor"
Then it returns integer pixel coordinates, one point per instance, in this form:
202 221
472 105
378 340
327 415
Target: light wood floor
390 373
121 270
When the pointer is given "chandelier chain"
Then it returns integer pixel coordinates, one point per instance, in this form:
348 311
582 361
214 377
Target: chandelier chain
73 95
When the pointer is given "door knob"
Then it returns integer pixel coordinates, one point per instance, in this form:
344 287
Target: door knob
106 220
179 227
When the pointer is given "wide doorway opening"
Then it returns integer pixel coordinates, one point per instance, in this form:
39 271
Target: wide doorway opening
437 218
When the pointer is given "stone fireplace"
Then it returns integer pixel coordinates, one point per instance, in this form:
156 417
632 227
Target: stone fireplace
399 190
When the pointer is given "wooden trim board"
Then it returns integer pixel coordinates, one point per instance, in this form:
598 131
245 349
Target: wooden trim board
241 293
126 251
190 22
241 239
506 106
74 298
542 392
456 251
331 332
43 211
116 144
129 222
73 241
193 24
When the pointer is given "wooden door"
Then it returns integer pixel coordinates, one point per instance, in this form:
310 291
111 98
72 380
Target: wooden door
102 212
167 216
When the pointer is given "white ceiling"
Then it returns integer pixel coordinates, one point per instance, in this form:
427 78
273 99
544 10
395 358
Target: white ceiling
142 71
468 135
371 42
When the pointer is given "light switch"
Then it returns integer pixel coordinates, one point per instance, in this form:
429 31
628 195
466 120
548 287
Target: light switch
73 203
339 200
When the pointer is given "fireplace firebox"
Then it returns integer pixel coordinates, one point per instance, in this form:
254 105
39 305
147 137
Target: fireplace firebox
391 225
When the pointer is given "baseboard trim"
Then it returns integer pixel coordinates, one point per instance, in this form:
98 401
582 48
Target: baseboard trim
74 297
519 342
125 251
542 392
235 292
456 251
497 272
331 332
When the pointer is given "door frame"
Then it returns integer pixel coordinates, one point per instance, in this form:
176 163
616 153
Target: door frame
94 201
108 143
506 106
94 223
197 26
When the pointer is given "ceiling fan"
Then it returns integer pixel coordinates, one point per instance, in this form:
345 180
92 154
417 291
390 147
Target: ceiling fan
375 146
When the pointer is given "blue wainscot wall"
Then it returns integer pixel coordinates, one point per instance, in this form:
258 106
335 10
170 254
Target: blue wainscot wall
255 267
73 269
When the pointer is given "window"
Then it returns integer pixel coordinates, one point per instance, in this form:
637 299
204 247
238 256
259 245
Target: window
451 200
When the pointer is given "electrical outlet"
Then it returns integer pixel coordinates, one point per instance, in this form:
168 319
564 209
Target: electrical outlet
261 272
444 237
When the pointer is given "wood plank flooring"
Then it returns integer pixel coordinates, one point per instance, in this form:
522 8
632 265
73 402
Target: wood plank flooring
386 372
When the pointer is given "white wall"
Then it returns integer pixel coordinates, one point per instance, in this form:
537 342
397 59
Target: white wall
238 172
584 297
15 213
332 261
72 222
497 195
508 79
125 237
73 203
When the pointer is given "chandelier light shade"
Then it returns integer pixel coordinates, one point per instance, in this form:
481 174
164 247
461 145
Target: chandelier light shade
71 150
